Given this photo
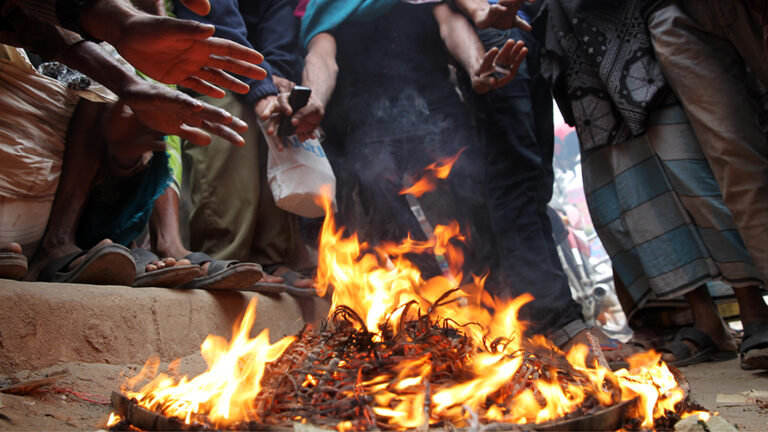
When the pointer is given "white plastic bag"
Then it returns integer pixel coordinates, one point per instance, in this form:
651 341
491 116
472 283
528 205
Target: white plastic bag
300 176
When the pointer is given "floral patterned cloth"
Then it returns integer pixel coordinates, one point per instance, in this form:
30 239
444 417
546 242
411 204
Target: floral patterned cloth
599 58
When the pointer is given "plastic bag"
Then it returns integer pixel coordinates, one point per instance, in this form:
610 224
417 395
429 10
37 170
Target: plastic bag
300 176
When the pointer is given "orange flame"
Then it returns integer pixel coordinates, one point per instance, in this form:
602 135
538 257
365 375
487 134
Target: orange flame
380 285
433 172
227 390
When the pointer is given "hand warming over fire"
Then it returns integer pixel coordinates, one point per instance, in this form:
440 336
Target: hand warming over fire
498 67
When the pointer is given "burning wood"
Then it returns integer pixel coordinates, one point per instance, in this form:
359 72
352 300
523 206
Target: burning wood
399 352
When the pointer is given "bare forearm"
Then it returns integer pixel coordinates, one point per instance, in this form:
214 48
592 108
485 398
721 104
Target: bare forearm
474 9
320 68
459 38
90 59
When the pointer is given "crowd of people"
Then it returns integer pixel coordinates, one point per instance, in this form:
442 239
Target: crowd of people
112 111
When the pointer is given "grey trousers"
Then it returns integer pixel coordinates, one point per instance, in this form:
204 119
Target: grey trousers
233 213
704 48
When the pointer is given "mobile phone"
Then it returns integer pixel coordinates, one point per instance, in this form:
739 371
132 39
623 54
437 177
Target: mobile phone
297 100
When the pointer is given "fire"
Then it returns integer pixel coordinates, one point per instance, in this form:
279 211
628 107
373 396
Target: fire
227 390
436 171
495 374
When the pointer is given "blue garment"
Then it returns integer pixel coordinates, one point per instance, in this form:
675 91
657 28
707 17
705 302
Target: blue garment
119 209
325 15
265 25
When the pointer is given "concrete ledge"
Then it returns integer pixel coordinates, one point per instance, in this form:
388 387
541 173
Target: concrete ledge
42 324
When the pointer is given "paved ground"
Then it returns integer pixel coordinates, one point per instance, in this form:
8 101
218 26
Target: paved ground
727 380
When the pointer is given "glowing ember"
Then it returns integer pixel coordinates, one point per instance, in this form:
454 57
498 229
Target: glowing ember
401 352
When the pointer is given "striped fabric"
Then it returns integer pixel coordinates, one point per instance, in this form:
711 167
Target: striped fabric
659 213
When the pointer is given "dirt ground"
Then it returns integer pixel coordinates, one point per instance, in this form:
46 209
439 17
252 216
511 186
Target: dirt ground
61 411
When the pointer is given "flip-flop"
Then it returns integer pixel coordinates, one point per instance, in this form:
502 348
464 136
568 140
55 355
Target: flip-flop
287 286
754 346
169 277
223 275
12 265
290 277
109 264
707 349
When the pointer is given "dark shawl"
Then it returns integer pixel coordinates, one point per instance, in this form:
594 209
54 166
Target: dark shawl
598 56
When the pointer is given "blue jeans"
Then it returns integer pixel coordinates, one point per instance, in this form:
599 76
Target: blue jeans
518 133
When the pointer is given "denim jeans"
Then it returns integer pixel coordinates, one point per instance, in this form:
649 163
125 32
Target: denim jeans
518 133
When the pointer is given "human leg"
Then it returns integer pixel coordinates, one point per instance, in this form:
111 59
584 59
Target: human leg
518 161
696 53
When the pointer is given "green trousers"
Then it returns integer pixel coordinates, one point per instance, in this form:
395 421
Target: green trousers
233 214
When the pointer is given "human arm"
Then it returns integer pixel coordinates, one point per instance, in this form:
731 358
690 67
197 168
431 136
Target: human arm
502 15
487 70
320 72
156 106
167 49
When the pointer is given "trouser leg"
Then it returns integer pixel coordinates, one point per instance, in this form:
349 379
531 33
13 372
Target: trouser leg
701 51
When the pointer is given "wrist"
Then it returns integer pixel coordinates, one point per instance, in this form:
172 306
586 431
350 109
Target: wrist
107 19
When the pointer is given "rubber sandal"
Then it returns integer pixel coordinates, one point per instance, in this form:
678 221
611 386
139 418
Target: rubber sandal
754 347
168 277
290 277
287 286
109 264
707 349
12 265
223 275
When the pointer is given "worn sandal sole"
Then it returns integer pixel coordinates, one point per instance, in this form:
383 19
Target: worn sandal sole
12 265
104 265
170 277
238 277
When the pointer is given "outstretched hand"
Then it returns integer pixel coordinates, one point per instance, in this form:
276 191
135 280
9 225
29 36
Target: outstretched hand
499 66
502 15
171 112
183 52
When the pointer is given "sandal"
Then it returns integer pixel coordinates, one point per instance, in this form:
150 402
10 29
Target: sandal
168 277
754 347
287 286
707 350
108 264
12 265
224 275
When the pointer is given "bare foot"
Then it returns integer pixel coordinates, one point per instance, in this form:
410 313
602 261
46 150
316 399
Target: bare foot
276 277
11 247
167 262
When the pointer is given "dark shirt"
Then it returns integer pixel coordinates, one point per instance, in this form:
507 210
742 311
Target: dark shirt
393 72
265 25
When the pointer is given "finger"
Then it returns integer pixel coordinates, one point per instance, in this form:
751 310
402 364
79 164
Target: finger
214 114
522 24
220 78
200 7
238 67
202 87
193 135
271 125
504 59
156 97
226 48
285 107
224 132
269 110
486 67
312 113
